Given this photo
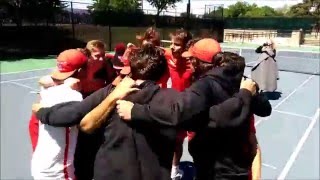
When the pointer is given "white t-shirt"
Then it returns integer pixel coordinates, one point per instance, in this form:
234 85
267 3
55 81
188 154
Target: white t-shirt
54 152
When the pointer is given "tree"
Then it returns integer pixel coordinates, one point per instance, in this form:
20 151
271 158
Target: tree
116 5
264 11
238 10
161 5
32 10
283 11
244 9
305 9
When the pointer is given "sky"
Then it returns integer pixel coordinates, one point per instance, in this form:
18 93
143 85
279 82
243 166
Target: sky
198 6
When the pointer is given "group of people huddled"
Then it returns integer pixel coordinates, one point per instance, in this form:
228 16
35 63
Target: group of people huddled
125 115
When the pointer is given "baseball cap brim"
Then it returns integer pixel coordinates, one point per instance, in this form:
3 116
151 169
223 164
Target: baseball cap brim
187 54
125 70
56 74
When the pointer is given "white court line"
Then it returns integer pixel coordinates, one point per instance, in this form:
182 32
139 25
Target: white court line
296 89
279 50
14 80
283 100
298 148
292 114
22 85
33 70
251 62
269 166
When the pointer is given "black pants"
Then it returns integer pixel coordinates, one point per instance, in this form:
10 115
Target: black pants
85 153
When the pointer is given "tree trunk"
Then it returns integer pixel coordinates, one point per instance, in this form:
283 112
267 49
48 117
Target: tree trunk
157 18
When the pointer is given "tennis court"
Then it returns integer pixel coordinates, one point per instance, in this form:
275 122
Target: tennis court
289 138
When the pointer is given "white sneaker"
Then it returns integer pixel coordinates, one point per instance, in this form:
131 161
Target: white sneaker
177 175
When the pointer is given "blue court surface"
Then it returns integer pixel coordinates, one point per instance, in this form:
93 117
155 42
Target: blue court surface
289 138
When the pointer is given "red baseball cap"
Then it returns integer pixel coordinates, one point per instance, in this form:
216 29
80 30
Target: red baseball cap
120 49
204 50
68 62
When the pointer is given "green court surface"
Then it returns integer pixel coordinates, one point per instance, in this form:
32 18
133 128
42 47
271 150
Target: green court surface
7 66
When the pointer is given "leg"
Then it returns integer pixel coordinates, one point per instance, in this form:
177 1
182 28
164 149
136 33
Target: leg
176 173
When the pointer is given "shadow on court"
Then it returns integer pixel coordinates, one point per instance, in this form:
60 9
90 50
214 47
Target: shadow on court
273 95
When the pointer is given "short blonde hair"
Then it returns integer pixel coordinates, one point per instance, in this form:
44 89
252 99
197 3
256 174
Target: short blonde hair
94 45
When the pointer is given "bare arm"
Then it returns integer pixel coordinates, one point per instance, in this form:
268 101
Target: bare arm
256 165
96 117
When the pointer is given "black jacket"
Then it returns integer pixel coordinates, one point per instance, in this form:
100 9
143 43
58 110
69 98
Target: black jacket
130 151
213 107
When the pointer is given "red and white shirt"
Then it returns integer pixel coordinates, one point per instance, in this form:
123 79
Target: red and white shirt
55 146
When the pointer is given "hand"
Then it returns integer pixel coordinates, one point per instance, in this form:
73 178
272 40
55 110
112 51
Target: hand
249 85
124 88
36 107
124 109
46 81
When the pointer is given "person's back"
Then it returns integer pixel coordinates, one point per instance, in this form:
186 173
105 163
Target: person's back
135 151
55 147
210 147
192 109
229 154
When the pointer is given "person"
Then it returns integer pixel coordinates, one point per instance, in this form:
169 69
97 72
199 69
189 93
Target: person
151 35
116 59
98 71
94 75
120 157
265 71
62 141
220 76
180 75
131 151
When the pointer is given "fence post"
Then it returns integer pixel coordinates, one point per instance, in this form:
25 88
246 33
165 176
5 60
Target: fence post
72 21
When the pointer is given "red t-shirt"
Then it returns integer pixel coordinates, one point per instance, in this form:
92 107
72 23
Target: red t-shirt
179 71
95 75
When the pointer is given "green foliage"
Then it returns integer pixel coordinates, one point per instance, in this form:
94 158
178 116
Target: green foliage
161 5
115 5
244 9
304 9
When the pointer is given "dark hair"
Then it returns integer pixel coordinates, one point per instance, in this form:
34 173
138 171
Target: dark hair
192 42
148 63
151 35
230 59
235 63
182 35
200 67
